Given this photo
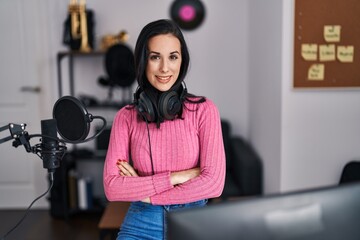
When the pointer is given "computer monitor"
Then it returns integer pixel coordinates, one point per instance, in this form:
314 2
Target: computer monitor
322 214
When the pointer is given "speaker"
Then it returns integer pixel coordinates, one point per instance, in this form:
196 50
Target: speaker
168 106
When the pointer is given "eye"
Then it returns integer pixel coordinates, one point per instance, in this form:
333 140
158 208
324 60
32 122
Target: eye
154 57
174 57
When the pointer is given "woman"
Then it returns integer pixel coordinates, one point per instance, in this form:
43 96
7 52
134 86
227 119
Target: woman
166 150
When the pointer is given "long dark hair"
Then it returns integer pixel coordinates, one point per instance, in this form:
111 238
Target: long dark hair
152 29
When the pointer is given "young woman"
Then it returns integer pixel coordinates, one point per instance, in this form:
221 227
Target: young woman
166 149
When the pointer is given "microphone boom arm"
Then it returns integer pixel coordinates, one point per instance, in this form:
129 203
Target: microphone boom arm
17 132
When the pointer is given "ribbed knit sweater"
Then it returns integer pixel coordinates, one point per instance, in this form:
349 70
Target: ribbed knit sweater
193 141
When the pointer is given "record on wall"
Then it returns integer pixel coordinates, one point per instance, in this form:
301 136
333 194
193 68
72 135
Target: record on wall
188 14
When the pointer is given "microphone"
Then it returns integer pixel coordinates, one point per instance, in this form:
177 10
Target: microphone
73 120
50 145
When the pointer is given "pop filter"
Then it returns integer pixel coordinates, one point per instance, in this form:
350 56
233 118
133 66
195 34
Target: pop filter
73 120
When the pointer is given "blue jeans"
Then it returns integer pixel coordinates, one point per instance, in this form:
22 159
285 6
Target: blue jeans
146 221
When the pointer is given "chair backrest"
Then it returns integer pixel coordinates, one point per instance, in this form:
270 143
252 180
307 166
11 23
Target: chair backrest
248 168
243 166
351 172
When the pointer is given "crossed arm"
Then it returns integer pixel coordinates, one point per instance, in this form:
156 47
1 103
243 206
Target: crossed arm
176 178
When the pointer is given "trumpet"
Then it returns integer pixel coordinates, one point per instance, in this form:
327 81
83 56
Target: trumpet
79 28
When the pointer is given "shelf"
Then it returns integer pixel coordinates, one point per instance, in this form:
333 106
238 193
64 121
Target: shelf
81 54
71 55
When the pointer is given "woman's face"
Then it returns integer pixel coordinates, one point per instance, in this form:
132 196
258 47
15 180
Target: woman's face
164 61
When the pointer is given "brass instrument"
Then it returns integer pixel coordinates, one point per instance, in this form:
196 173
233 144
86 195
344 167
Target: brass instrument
79 28
109 40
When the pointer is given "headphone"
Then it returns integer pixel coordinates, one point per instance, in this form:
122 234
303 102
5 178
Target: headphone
168 106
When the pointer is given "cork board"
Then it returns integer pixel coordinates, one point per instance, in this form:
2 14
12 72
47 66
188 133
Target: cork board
327 43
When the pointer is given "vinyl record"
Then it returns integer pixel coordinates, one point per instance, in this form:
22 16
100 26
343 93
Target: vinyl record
188 14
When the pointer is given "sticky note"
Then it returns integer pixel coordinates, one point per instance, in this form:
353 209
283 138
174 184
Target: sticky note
332 33
327 52
309 51
316 72
345 54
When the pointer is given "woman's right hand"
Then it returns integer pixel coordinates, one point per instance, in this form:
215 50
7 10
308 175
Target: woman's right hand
183 176
125 169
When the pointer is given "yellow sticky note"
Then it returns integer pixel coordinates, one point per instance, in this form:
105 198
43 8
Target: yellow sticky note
316 72
327 52
332 33
309 51
345 54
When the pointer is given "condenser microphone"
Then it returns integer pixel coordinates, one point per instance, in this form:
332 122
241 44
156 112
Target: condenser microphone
73 120
50 145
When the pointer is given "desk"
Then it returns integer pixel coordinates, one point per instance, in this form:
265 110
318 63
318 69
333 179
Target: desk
71 55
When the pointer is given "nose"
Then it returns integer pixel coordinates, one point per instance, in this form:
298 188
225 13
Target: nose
164 66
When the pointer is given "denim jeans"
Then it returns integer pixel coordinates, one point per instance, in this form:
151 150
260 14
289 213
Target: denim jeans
146 221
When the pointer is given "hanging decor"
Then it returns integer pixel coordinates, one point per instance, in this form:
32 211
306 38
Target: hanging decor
79 27
188 14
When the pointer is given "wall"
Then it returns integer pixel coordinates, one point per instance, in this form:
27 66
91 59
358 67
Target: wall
218 50
242 59
305 137
320 128
265 29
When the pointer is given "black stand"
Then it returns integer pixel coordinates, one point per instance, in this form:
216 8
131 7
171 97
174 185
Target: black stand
17 132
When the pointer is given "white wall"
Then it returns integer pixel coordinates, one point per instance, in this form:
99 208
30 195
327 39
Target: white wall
242 59
305 137
320 128
218 49
265 29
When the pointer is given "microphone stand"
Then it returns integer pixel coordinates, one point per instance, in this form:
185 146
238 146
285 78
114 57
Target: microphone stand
17 132
52 149
21 137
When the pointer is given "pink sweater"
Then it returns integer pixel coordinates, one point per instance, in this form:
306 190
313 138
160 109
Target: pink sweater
195 141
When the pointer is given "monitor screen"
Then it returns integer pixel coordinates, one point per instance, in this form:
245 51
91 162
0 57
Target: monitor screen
321 214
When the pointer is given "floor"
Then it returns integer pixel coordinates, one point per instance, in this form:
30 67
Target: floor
39 225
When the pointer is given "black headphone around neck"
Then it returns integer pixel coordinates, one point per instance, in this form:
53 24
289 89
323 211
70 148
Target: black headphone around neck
168 106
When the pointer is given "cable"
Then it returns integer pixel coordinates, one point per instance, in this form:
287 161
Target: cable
51 177
152 164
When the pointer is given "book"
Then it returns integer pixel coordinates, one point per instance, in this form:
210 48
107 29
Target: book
85 193
82 198
73 189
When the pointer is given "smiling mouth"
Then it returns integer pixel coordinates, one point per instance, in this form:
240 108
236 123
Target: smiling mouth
163 79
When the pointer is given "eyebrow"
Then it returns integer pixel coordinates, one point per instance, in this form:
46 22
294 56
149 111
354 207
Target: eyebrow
159 53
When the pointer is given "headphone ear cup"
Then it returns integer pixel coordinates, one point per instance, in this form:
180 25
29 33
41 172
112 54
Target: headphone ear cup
145 107
169 105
